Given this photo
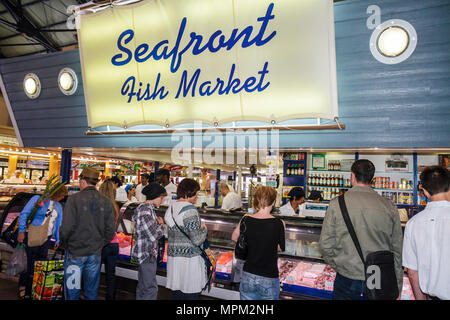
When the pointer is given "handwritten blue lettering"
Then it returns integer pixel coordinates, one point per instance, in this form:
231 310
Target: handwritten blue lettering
195 43
128 89
188 87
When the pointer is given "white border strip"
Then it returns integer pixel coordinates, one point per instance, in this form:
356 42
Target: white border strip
11 114
215 292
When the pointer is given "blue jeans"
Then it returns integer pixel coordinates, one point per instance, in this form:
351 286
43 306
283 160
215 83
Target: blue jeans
75 268
348 289
255 287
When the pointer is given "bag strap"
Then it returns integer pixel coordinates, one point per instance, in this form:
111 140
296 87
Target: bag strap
240 223
185 234
350 228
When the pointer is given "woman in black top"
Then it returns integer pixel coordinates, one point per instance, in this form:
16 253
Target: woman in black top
265 235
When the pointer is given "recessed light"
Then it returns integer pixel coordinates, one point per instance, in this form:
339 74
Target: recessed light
393 41
32 85
67 81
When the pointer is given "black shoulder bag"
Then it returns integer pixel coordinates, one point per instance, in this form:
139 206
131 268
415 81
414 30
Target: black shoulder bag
379 266
241 248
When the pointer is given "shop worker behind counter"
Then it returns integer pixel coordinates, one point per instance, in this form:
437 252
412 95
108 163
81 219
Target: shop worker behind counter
377 226
163 177
88 225
426 251
231 200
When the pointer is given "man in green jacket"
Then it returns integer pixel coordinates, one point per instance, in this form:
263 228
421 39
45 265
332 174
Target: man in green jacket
377 226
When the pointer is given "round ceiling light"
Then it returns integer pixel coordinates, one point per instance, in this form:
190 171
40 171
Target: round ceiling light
393 41
32 85
67 81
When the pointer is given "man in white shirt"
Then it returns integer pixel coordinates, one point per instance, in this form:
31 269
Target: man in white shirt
426 242
163 178
16 178
121 194
231 199
145 178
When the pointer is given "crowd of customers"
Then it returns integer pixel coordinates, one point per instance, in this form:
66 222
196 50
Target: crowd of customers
87 226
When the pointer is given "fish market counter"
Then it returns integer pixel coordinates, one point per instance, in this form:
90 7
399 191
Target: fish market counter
303 273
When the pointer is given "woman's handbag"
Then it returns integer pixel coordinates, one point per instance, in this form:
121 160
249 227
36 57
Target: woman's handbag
241 248
38 235
11 233
206 254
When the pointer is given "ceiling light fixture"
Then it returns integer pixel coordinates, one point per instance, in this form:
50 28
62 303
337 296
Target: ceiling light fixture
32 85
393 41
67 81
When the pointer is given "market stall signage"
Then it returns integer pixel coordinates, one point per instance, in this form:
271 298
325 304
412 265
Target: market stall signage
159 62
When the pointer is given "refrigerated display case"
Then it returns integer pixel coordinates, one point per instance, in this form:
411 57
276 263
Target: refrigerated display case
303 273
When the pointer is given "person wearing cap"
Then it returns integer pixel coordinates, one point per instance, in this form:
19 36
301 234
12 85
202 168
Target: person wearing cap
121 194
88 224
145 179
163 177
148 230
130 189
296 198
16 178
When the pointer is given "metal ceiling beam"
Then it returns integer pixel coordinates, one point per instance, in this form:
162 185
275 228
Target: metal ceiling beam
26 26
8 24
24 5
41 29
18 44
44 51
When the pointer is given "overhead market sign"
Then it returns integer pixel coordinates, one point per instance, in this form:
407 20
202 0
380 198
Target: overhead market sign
170 62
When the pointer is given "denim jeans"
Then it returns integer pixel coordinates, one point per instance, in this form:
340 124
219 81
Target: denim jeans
75 268
255 287
348 289
109 258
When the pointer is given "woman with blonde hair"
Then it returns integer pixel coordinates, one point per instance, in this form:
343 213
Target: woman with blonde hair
111 250
264 235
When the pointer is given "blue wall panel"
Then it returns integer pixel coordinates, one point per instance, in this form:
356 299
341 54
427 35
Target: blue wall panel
387 106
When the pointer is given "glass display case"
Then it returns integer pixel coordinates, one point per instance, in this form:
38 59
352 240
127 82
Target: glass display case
303 273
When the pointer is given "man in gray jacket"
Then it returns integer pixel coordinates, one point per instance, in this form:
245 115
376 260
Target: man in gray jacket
377 226
88 224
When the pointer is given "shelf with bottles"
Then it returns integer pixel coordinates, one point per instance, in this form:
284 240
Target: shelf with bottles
296 156
331 171
388 184
328 180
294 169
400 197
328 187
328 193
393 190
